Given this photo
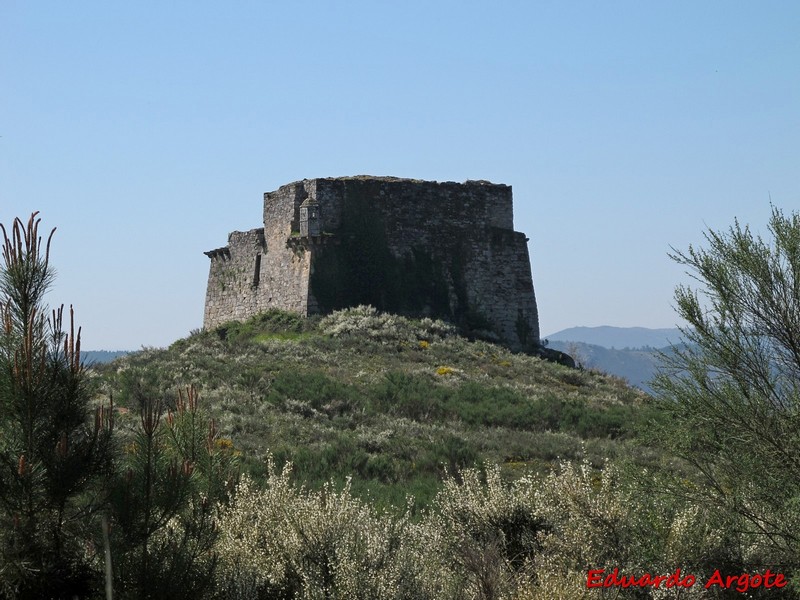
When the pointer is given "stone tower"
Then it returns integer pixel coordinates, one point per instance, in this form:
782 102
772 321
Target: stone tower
310 218
419 248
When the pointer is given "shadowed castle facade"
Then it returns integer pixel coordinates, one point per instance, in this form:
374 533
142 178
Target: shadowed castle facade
419 248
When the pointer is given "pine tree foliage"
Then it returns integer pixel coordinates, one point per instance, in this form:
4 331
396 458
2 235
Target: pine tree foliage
732 395
52 453
172 472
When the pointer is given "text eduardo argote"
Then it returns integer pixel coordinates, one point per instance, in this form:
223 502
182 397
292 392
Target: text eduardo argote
598 578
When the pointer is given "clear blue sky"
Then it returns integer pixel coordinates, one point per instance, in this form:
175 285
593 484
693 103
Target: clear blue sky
146 131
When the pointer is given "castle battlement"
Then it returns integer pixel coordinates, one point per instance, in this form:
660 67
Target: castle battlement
424 248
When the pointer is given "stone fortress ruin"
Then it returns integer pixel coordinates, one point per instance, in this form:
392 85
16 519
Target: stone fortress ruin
418 248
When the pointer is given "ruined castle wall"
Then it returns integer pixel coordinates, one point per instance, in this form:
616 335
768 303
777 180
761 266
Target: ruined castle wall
282 210
286 268
408 246
465 229
500 286
257 271
417 208
233 282
329 193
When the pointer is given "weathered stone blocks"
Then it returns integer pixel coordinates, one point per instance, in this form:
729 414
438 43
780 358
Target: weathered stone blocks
407 246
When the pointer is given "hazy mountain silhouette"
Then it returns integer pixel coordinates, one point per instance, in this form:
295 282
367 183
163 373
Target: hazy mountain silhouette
618 337
628 352
102 356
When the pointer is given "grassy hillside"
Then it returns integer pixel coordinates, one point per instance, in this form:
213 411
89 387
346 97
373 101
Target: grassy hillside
393 402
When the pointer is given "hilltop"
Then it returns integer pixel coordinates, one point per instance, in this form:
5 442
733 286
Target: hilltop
391 401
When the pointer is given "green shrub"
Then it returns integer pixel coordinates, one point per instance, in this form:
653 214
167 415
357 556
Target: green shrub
265 325
321 392
409 396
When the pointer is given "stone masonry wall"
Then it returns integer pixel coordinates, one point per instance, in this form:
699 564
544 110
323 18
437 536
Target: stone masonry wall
286 268
232 292
416 247
467 228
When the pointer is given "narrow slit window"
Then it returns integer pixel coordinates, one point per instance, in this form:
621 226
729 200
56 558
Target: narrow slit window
257 271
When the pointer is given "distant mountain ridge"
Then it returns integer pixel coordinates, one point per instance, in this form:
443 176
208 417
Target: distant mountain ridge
632 353
637 366
618 337
102 356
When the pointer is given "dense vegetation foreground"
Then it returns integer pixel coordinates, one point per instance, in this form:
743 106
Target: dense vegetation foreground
370 456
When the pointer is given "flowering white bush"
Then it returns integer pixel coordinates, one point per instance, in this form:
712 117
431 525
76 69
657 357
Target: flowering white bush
481 537
304 544
484 538
598 521
589 518
383 327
